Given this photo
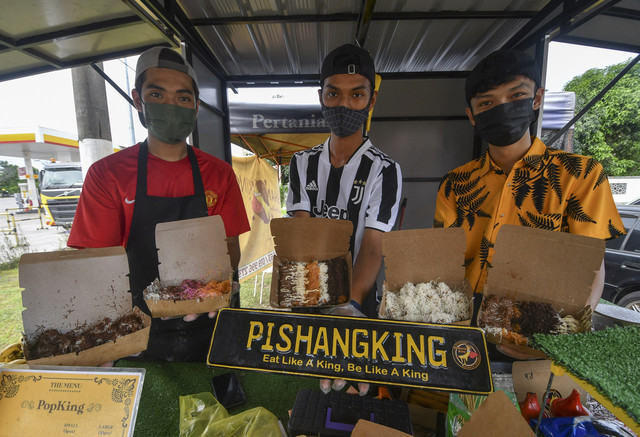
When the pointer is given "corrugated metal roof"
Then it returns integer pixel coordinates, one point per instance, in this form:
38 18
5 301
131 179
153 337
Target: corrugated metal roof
403 36
279 40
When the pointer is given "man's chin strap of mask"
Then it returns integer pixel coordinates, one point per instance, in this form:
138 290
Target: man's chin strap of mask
170 124
344 121
505 124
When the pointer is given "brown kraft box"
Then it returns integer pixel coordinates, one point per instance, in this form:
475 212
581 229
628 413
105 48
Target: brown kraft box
497 416
191 249
533 376
71 289
364 428
307 239
543 266
423 255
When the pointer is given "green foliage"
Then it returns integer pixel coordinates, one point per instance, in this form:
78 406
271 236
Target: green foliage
284 188
610 130
10 308
9 177
12 247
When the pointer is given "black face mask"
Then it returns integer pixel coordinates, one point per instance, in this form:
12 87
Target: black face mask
505 124
344 121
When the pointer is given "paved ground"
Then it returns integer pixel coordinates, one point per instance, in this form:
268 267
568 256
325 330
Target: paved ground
33 235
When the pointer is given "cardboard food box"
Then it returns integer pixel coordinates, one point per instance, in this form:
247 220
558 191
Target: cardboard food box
424 255
191 249
533 376
308 239
364 428
543 266
72 289
497 416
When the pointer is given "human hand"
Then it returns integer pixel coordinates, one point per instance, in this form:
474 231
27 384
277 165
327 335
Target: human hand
348 309
192 317
338 384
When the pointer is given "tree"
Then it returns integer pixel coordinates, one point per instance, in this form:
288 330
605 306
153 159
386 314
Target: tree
9 177
610 130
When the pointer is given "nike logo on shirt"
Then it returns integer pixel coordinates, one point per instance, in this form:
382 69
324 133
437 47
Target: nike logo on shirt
129 201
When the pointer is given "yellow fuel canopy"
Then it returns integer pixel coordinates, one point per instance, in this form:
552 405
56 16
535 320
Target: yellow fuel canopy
38 143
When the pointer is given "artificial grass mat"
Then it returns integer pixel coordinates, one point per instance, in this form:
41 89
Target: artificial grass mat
164 383
607 359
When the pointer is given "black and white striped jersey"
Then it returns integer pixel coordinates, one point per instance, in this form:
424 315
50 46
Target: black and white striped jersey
366 190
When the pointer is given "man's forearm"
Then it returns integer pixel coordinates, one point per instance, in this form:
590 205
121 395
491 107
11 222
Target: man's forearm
365 273
596 288
367 265
233 246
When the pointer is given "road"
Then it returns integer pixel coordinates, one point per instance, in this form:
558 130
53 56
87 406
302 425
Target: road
33 234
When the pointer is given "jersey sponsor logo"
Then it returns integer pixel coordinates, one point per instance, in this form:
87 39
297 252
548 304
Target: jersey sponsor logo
129 202
332 212
212 198
311 186
358 191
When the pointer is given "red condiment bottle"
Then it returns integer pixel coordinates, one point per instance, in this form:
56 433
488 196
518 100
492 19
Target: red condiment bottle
569 406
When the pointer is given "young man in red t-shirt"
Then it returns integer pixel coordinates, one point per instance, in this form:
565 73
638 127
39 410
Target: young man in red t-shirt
161 179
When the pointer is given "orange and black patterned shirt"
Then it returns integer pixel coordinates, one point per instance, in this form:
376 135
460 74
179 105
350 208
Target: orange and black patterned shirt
547 188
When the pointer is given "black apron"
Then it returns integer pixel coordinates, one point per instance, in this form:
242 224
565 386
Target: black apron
174 339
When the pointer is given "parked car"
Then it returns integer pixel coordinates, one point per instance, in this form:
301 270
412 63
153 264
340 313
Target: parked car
622 262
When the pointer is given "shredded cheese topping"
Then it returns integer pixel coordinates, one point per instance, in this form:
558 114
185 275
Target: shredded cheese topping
431 302
295 282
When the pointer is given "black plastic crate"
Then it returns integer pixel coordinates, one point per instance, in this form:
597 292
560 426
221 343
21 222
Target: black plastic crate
336 413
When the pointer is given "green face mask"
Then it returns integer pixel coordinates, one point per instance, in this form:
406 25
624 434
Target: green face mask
170 124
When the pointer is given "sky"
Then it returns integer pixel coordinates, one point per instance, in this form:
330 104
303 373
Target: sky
47 99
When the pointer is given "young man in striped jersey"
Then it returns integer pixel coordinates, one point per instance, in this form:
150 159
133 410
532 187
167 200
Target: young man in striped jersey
347 177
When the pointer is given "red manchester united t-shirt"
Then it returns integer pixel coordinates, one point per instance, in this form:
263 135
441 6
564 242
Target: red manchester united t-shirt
105 210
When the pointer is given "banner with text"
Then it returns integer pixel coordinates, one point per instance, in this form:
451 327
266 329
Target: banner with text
441 357
256 118
261 195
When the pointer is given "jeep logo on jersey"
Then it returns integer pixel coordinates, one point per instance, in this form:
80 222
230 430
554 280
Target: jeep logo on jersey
332 212
358 191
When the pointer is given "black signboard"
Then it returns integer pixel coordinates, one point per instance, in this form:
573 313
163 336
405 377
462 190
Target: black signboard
443 357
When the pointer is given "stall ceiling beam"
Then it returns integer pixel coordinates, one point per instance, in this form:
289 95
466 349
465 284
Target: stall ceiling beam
173 18
273 19
74 32
33 53
562 19
534 22
628 14
111 82
81 61
364 20
377 16
597 43
254 81
593 12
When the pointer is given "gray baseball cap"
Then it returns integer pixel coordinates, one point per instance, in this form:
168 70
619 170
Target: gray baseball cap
164 57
